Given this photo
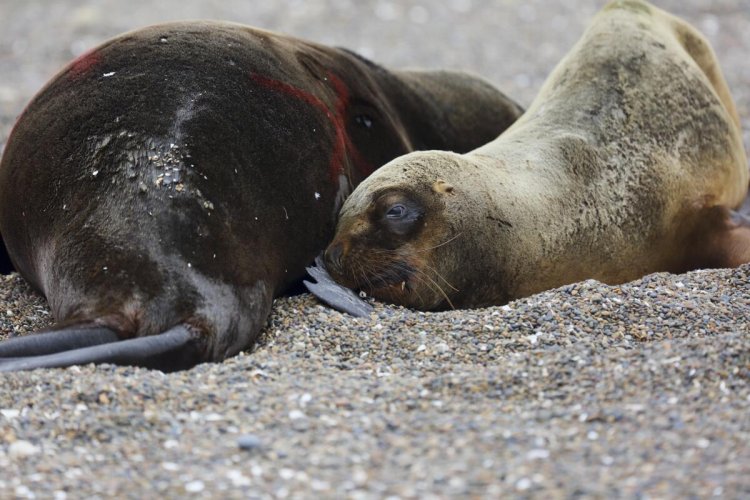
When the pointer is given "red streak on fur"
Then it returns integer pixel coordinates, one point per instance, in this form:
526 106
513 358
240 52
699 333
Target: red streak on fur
84 63
76 69
342 143
342 101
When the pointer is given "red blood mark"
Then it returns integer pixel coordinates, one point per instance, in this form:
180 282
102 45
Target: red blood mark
75 69
342 142
84 63
342 101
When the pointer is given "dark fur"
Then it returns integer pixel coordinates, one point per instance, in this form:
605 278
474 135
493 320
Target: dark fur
257 128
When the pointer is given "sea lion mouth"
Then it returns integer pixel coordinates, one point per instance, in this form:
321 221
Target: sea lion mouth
397 274
399 279
366 270
375 277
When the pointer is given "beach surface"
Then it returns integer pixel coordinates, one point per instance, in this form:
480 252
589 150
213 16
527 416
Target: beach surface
638 390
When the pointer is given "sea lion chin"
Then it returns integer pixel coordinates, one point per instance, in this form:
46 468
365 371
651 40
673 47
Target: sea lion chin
628 162
164 187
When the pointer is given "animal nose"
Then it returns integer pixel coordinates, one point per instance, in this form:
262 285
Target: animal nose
333 255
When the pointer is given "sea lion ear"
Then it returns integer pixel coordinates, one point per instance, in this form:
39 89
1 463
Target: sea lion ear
442 187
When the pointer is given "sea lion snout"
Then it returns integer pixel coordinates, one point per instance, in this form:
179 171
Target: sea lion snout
334 254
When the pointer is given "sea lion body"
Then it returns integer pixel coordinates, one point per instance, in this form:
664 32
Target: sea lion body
185 174
627 163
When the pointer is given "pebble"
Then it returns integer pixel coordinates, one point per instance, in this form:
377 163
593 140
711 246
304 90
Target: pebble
195 486
249 442
22 449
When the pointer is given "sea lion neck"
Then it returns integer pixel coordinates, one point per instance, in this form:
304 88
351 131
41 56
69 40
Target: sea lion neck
437 104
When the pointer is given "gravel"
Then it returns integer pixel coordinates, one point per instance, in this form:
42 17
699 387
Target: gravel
638 390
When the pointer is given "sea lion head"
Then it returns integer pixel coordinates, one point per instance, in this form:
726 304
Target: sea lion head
398 232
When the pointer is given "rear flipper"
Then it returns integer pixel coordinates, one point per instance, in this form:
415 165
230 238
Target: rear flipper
741 216
735 242
721 241
50 342
175 349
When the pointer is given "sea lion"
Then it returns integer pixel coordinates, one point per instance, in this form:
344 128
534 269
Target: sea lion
627 163
166 186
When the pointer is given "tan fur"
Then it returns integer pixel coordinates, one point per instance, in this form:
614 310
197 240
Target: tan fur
625 164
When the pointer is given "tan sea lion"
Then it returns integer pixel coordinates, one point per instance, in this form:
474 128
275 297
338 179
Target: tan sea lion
627 163
166 186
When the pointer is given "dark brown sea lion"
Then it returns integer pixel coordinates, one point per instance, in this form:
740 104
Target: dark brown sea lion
628 162
163 188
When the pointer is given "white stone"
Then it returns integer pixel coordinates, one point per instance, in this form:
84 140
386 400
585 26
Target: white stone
195 486
22 449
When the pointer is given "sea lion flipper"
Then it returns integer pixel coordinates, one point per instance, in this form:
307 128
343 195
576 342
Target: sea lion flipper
337 296
741 216
174 346
731 248
50 342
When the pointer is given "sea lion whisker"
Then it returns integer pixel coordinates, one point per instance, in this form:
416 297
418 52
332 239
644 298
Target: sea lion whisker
441 244
384 253
391 273
441 277
424 278
416 291
365 277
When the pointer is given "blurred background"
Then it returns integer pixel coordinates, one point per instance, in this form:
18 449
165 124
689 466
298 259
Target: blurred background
513 43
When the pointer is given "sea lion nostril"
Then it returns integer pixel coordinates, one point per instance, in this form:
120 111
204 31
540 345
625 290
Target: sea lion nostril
333 255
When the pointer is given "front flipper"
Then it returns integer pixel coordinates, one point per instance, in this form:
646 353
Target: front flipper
175 349
333 294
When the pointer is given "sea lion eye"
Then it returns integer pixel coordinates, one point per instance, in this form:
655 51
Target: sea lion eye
397 214
397 211
364 120
400 216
